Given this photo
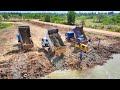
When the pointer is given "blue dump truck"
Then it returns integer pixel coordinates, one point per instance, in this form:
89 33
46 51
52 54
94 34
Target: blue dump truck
77 34
78 37
69 36
24 38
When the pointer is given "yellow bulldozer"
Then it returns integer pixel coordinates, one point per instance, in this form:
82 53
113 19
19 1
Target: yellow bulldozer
78 37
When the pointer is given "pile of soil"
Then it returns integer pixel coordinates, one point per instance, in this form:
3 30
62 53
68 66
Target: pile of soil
26 66
98 56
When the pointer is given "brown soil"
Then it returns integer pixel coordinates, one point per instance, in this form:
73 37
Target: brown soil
33 64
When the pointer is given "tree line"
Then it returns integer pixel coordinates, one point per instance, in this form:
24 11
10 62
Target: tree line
69 18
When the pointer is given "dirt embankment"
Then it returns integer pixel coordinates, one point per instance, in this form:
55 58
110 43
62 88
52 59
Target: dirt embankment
37 63
68 27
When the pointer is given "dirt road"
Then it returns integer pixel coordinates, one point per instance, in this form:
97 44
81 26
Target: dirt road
96 31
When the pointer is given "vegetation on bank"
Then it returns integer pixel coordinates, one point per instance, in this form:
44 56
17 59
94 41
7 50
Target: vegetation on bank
5 25
105 21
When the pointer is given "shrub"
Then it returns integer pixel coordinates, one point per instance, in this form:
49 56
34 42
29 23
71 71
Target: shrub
47 18
4 25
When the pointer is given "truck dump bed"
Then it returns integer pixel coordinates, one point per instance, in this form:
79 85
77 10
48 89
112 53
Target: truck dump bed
24 32
55 41
79 31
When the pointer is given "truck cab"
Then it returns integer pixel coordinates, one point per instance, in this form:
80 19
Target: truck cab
69 35
45 42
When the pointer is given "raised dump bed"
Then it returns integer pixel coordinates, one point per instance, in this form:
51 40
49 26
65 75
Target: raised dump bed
79 31
25 37
56 43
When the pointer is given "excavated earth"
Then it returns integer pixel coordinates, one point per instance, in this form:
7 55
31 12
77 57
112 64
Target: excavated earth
34 64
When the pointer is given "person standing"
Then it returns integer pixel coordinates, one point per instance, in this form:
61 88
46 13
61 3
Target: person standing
81 55
89 42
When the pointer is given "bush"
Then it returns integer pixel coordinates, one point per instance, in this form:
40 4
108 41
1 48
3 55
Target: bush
117 30
1 18
57 19
5 16
83 22
5 25
47 18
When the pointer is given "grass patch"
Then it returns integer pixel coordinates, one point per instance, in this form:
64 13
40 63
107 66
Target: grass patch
90 24
5 25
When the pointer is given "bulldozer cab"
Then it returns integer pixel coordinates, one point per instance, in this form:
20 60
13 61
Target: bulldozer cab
24 32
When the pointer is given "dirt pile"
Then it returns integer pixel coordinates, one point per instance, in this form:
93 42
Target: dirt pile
26 66
46 25
116 48
98 56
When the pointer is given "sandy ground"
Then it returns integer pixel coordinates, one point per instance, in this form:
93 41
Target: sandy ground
36 63
95 31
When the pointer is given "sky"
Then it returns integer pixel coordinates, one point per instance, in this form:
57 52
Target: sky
56 11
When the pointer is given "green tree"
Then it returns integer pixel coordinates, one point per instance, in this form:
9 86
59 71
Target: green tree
21 15
94 18
83 18
71 17
99 18
1 18
5 16
47 18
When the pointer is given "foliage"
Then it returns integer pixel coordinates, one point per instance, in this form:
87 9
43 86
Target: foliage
106 21
71 17
47 18
1 18
5 25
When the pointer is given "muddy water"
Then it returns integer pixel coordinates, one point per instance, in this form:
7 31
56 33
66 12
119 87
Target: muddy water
110 70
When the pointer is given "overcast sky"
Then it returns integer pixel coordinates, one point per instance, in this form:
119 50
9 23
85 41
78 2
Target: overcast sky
56 11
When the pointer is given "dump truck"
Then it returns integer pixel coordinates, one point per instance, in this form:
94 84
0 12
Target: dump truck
78 37
69 36
24 38
54 42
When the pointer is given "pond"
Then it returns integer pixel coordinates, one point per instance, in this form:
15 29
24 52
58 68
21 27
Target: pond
110 70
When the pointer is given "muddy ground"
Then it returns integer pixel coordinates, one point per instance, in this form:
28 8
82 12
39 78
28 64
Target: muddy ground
15 64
